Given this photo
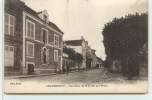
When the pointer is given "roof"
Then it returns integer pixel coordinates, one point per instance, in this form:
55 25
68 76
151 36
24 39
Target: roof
74 42
54 26
35 14
99 59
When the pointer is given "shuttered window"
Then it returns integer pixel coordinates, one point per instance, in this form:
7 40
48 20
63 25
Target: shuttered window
56 56
30 29
9 56
9 24
56 40
50 38
30 49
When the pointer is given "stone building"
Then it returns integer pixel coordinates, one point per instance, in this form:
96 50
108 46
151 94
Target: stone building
80 47
33 44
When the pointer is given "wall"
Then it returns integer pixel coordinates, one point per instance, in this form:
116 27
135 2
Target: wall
14 8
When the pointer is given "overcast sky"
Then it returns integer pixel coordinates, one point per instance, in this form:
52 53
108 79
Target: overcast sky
86 18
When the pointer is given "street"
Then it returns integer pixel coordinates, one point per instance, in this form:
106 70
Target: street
77 82
95 76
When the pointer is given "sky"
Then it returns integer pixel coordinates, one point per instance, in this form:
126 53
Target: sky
86 18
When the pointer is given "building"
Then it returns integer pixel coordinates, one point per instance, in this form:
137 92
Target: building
94 59
100 63
33 44
80 47
72 58
67 63
91 58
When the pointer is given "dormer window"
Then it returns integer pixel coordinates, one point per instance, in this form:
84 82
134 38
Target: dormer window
44 15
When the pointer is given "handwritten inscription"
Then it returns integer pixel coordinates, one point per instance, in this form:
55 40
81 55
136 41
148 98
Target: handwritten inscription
15 83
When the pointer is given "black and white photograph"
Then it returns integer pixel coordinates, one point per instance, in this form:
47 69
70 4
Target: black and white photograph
75 46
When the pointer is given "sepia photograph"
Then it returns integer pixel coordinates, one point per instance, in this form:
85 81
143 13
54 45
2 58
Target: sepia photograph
75 46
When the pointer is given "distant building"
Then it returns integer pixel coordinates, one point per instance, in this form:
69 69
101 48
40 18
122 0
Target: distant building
67 63
33 44
80 47
100 63
73 57
91 58
94 59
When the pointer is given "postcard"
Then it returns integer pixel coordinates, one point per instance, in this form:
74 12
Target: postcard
75 46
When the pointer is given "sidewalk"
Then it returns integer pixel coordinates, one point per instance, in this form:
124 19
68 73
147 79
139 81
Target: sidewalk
27 76
35 75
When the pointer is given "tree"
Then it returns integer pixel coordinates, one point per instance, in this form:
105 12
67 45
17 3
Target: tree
76 57
124 37
70 52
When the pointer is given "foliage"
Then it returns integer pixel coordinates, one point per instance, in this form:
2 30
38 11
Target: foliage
125 36
79 58
73 55
124 39
70 52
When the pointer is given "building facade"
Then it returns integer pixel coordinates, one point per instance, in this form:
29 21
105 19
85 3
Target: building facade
100 63
94 59
67 63
78 46
91 58
81 46
33 44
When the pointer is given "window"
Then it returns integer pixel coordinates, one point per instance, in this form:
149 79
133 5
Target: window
9 56
56 40
44 35
30 29
50 38
9 24
30 49
56 55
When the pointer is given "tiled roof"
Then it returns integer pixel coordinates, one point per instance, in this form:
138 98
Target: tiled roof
74 42
35 14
